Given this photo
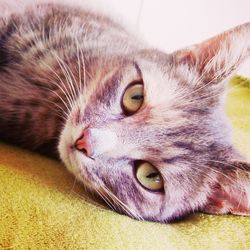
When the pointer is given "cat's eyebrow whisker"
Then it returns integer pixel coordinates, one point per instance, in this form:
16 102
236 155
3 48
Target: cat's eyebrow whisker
81 64
63 88
190 101
190 94
58 106
201 77
86 73
62 115
73 81
230 179
57 58
200 98
61 112
79 84
75 88
204 168
65 104
231 165
67 76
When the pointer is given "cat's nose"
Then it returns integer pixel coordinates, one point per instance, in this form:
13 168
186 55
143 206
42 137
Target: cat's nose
84 144
96 141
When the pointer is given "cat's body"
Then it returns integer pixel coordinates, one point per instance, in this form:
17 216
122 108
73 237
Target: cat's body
64 72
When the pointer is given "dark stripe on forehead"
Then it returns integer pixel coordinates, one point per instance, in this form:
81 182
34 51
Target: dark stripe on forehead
104 94
109 91
5 34
153 151
192 147
183 145
138 70
179 158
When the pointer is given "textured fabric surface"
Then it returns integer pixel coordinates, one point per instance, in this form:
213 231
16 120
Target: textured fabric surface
41 206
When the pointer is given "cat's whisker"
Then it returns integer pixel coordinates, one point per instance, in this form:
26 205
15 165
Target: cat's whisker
61 86
57 57
88 103
79 70
68 78
93 192
60 111
106 199
200 79
82 83
115 204
122 204
75 87
74 183
86 194
88 199
241 195
63 101
56 111
232 166
209 169
74 82
233 180
204 97
208 95
85 72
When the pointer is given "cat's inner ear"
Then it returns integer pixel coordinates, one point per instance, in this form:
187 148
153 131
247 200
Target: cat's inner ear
218 57
231 192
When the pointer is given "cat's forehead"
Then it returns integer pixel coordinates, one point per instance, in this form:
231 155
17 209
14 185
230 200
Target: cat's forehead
165 87
160 84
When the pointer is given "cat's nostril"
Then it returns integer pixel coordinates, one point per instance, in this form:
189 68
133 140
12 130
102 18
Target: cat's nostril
83 143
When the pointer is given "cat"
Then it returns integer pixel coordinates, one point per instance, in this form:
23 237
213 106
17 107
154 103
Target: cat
144 130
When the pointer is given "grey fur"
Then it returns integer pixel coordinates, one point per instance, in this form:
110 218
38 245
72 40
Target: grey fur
63 69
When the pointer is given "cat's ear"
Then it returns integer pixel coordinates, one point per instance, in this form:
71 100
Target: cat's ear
216 58
231 192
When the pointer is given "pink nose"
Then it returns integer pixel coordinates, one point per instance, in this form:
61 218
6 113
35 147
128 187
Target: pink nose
83 143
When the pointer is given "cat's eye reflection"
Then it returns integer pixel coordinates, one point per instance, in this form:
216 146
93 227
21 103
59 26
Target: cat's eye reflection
149 177
133 98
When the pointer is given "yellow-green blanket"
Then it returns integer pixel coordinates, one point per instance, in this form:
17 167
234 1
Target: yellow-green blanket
42 208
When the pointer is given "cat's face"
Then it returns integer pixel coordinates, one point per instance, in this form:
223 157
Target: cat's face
149 135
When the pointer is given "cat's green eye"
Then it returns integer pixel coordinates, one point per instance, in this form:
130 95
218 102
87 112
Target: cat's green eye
132 98
149 177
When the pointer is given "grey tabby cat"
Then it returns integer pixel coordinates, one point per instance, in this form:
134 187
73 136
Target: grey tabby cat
143 129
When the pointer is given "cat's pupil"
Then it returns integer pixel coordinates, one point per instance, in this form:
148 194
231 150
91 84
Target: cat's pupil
154 176
137 97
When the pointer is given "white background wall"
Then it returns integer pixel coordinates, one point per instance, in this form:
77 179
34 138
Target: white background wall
172 24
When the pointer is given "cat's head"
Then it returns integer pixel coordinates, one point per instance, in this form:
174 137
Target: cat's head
149 135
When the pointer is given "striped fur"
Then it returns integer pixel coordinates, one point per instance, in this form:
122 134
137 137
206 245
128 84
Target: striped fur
65 68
